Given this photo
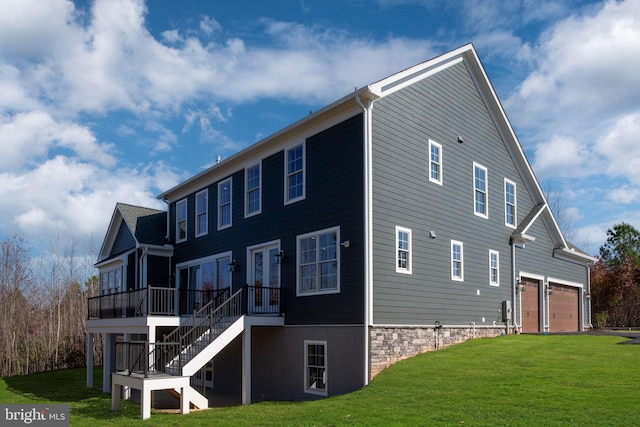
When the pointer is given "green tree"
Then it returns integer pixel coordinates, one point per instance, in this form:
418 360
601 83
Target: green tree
622 245
615 279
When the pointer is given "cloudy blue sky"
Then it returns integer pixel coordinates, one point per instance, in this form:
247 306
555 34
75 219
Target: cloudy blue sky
118 100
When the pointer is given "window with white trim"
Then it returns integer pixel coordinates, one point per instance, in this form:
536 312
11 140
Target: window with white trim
494 268
294 174
224 204
403 250
435 162
111 281
202 213
253 190
315 367
480 201
318 261
181 220
510 212
457 261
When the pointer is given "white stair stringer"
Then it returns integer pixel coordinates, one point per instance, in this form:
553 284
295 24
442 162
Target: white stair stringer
213 348
193 396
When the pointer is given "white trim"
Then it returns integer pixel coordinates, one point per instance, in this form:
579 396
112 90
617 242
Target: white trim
222 226
408 250
564 282
206 213
484 214
461 277
515 203
440 163
317 233
186 222
497 254
321 392
248 214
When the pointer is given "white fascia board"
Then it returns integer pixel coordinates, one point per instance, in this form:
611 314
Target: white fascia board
573 255
418 72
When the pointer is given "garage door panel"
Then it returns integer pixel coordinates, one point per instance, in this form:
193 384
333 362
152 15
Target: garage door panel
563 308
530 305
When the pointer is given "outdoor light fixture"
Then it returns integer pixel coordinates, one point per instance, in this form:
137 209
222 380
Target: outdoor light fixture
432 234
346 243
232 266
460 140
279 256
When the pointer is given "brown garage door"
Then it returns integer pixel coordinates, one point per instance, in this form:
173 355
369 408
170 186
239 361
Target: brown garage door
563 308
530 306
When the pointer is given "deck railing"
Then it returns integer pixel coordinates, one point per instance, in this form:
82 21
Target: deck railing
205 325
152 301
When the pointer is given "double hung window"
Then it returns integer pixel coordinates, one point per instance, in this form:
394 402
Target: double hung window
315 367
494 268
294 174
202 213
253 190
224 204
509 203
480 190
318 262
181 220
457 261
403 250
435 162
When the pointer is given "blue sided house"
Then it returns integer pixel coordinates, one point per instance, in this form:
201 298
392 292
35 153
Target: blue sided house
402 218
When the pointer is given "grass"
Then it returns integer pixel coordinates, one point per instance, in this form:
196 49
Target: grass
513 380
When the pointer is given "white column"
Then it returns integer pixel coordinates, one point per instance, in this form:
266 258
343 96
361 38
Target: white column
107 363
246 366
184 401
90 360
145 403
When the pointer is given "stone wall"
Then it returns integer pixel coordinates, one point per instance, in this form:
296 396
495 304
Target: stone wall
389 345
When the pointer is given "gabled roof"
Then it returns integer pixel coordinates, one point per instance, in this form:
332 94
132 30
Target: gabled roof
147 228
353 103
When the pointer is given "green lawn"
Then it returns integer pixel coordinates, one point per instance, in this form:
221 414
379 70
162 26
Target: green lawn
512 380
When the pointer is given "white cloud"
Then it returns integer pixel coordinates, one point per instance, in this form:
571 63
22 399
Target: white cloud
625 194
27 137
586 72
621 146
562 156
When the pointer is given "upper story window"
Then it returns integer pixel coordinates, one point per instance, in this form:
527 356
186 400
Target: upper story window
480 190
318 262
494 268
111 281
202 213
403 250
457 261
294 170
224 204
253 190
435 162
510 213
181 220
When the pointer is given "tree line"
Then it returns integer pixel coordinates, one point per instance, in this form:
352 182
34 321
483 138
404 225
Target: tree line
43 307
615 279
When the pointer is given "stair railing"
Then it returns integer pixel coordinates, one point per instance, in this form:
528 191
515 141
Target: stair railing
206 324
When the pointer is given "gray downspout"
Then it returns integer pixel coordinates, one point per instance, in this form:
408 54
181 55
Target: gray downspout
514 282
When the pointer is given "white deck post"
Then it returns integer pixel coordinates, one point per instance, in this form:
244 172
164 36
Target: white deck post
145 403
90 360
184 401
246 366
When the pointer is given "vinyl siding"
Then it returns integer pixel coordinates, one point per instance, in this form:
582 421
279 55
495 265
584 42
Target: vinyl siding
124 240
334 197
440 107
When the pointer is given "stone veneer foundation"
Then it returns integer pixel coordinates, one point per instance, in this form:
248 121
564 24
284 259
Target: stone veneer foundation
391 344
